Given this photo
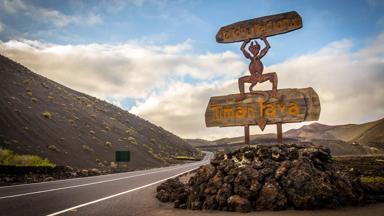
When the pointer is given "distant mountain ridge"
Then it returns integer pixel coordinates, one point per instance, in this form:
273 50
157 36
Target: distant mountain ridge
369 134
41 117
367 138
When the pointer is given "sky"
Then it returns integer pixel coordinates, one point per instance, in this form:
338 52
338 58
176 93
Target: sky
160 60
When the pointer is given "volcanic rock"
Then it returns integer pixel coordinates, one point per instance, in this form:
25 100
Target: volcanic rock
266 177
173 190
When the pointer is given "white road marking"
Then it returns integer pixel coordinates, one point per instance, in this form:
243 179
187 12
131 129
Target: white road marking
96 176
115 195
80 178
98 182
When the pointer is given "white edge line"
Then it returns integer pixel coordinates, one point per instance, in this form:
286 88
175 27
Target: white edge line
96 176
118 194
92 183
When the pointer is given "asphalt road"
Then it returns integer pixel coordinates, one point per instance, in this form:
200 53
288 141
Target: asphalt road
114 194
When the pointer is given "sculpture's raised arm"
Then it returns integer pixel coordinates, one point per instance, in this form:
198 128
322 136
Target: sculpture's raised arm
266 48
245 52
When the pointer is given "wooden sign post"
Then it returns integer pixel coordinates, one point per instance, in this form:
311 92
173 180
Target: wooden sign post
261 107
292 105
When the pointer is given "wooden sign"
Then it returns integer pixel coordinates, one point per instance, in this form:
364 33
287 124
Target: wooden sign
293 105
259 27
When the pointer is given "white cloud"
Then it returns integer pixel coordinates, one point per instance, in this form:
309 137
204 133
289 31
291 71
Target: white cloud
172 85
42 14
126 70
350 86
13 6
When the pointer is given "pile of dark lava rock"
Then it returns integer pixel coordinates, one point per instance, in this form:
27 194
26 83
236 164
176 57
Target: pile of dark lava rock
265 177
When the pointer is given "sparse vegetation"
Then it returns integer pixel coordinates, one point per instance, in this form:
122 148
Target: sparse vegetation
153 154
372 179
47 115
108 144
87 148
53 148
185 158
130 131
113 165
132 140
29 92
8 157
150 149
66 116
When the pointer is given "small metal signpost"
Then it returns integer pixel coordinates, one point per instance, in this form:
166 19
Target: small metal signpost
261 107
122 156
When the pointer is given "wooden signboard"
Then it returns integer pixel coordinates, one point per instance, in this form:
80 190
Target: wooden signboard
259 27
293 105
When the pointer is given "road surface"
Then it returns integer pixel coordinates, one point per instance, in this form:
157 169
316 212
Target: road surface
126 194
84 195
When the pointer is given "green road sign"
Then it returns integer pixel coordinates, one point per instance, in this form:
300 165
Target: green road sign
122 156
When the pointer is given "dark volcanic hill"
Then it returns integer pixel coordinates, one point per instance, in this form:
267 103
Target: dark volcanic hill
41 117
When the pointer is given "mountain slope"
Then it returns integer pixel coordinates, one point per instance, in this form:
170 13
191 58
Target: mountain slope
199 142
369 134
374 136
41 117
350 139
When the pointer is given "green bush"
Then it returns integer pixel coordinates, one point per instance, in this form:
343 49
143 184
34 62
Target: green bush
87 148
8 157
372 179
185 158
29 92
53 148
108 144
132 140
150 149
47 115
130 131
